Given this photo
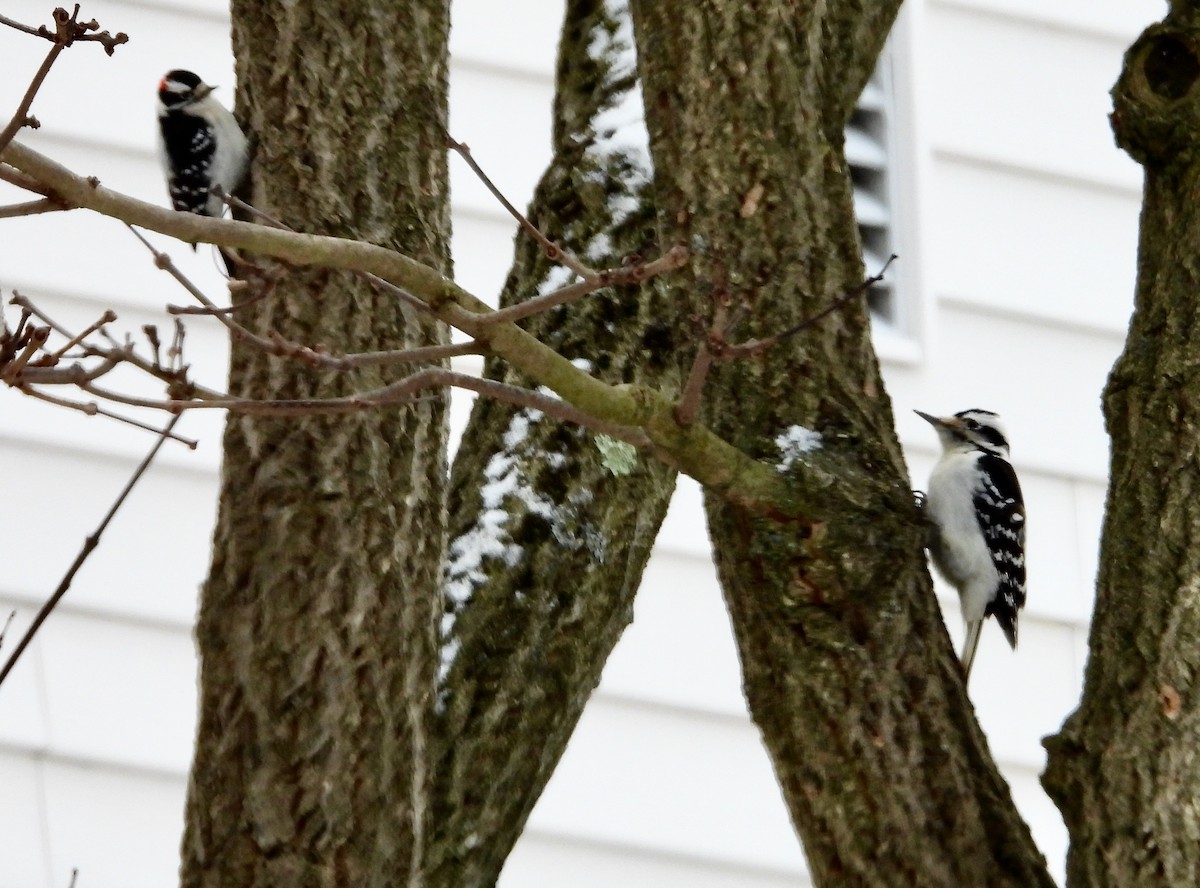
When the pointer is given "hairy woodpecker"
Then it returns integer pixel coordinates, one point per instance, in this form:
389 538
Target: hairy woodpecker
200 144
975 504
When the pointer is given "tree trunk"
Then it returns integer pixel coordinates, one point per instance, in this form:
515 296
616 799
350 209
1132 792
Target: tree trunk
318 622
547 544
848 669
1135 736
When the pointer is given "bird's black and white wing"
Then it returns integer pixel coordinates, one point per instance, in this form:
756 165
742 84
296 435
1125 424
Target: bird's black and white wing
1001 512
188 146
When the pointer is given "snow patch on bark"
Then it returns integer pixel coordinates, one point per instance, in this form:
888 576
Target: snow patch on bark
794 444
490 537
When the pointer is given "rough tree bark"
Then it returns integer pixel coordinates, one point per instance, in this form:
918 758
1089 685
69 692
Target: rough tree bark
318 622
1136 734
847 667
547 545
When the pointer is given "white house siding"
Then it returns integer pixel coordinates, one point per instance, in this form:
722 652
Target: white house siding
1017 223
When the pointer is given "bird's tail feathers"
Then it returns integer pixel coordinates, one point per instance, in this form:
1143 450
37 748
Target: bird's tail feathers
970 646
1008 622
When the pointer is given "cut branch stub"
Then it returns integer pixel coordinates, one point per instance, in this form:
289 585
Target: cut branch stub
1156 106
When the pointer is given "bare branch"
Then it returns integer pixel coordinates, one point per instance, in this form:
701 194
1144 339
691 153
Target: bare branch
758 346
695 450
689 399
90 408
89 546
67 30
164 261
107 318
688 407
31 208
36 339
553 251
715 346
674 258
11 616
400 293
21 116
40 31
16 177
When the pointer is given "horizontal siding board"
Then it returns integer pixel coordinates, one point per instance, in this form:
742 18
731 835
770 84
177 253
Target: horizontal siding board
649 778
151 560
1047 249
24 858
121 830
1044 380
1023 94
120 695
680 650
487 32
1022 696
22 697
482 244
506 123
1117 20
551 859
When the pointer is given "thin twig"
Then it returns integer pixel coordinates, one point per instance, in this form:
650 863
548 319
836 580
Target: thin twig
37 338
73 374
67 29
28 29
89 545
28 183
674 258
714 346
90 408
262 294
398 393
107 318
11 616
122 353
688 407
758 346
32 208
20 117
553 251
164 261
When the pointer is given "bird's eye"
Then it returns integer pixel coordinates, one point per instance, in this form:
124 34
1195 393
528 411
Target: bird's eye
972 424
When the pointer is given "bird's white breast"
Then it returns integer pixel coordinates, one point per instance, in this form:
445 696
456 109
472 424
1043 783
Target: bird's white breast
961 554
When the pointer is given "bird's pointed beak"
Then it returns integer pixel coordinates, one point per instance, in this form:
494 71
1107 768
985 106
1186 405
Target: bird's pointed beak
932 420
202 90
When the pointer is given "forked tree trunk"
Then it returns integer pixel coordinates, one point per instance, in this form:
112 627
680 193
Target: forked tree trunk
847 667
325 753
1125 769
318 622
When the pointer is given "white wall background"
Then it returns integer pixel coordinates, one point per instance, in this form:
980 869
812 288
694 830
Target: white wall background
1017 230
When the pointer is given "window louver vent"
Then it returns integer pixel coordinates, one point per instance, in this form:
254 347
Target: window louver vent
867 138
